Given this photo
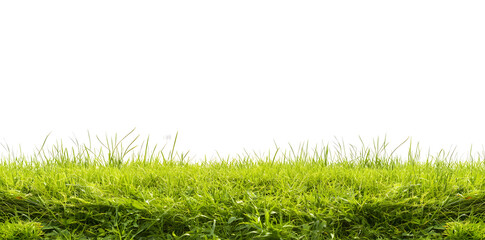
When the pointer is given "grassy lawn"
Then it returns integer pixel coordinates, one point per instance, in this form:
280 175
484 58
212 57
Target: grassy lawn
122 193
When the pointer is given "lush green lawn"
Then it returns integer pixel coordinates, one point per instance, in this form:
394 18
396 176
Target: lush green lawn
84 193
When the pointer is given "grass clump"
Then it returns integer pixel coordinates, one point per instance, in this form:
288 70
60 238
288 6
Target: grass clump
20 230
84 193
470 229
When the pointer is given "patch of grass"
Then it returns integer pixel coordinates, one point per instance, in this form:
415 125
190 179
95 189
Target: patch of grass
11 229
465 230
117 192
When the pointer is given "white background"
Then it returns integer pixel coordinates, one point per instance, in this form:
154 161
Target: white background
235 75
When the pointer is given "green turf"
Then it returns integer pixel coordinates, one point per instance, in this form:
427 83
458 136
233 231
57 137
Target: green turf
123 192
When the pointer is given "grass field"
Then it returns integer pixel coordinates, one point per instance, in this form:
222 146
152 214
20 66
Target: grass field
123 191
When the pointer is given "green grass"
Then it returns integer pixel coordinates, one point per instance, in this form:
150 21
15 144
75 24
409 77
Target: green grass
121 191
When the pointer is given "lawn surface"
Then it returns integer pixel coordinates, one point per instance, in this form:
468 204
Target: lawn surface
302 193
